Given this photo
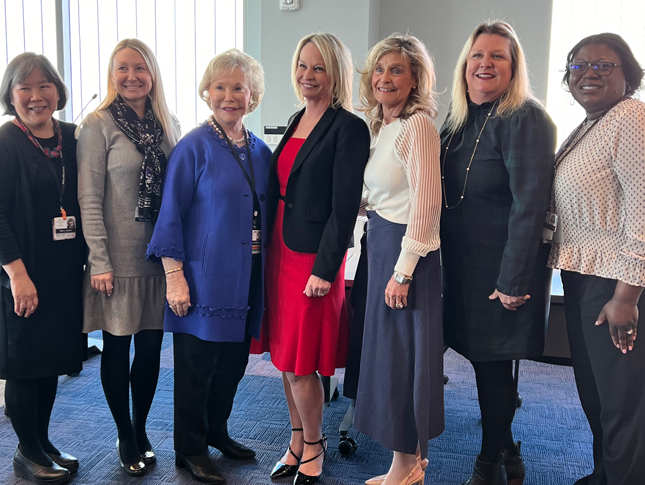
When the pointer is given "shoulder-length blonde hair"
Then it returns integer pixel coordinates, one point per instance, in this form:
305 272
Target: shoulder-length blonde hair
518 91
420 99
157 97
338 64
223 64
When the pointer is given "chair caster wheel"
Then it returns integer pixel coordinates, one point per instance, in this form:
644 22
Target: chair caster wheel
518 402
335 395
347 446
445 379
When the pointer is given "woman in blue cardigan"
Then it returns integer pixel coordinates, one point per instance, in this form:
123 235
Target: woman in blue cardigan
209 237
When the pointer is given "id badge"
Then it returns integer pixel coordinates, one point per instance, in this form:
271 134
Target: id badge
256 238
550 227
63 229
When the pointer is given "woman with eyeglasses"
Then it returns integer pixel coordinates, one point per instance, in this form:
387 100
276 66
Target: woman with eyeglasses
599 245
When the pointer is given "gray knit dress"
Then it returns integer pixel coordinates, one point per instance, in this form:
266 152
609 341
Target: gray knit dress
109 168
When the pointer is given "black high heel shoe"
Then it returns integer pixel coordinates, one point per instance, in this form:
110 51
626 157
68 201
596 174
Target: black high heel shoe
133 469
301 478
282 470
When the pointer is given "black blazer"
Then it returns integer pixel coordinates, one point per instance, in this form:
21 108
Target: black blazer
324 188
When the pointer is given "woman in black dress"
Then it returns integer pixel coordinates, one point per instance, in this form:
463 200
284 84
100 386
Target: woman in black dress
497 148
42 259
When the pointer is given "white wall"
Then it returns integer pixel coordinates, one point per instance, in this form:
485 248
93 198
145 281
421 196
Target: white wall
272 35
355 23
444 25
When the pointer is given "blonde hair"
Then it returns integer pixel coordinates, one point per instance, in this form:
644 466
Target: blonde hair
518 91
338 64
225 63
157 98
420 99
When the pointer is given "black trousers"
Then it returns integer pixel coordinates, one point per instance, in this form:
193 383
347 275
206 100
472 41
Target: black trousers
611 384
206 378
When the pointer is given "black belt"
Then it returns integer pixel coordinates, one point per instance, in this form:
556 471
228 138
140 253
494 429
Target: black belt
281 197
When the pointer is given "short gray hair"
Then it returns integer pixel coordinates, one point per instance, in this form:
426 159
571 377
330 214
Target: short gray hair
19 69
224 63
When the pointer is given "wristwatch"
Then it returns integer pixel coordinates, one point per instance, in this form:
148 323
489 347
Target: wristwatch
401 278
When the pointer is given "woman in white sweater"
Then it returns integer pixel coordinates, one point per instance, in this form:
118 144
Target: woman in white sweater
400 390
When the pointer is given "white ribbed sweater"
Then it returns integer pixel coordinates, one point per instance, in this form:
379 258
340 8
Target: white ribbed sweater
403 178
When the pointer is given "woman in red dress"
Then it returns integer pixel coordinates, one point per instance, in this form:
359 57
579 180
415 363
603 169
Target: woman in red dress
315 189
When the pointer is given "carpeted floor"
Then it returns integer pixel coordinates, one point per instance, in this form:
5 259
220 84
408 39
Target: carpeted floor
556 441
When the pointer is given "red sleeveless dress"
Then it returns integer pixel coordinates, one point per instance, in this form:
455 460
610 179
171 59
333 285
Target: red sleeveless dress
303 334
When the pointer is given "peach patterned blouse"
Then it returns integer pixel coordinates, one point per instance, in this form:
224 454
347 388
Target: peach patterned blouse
599 193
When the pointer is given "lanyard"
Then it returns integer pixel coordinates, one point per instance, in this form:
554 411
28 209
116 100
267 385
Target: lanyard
60 186
573 142
574 139
50 154
251 179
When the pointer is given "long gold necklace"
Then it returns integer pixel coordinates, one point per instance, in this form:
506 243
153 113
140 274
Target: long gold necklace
443 164
238 142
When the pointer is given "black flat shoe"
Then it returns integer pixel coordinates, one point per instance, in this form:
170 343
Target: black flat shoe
282 470
46 475
231 448
149 457
303 479
66 461
133 469
200 468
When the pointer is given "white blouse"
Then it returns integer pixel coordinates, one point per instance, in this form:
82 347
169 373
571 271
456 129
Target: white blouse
403 178
599 194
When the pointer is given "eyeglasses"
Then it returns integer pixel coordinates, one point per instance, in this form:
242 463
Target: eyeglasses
600 68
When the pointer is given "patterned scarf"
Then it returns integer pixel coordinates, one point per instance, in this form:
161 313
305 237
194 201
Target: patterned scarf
147 134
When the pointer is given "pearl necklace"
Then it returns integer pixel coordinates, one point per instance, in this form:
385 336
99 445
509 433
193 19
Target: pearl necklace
443 164
238 142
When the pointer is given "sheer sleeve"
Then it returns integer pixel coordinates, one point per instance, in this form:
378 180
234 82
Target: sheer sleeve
418 148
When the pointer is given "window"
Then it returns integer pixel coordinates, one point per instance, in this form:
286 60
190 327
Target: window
26 33
574 20
184 34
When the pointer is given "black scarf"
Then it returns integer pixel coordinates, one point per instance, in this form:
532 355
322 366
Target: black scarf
147 134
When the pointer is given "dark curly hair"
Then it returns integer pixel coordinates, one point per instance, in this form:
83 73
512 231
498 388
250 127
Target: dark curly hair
630 66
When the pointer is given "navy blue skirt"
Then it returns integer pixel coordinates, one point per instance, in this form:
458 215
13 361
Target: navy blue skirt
400 389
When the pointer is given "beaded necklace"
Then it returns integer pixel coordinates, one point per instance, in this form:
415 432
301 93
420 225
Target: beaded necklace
443 164
239 142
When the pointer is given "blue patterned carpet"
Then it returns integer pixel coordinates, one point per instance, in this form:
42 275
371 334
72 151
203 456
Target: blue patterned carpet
556 441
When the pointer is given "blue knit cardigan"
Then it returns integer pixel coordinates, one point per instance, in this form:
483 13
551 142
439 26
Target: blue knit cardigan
206 221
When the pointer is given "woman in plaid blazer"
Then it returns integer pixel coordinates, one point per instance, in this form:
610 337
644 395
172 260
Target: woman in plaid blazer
497 162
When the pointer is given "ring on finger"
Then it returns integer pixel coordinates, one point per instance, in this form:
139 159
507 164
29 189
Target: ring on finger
399 305
630 332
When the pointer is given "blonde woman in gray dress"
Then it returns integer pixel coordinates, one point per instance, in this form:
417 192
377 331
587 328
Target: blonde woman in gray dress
122 150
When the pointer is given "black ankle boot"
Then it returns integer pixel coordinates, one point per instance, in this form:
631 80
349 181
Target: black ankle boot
514 464
488 473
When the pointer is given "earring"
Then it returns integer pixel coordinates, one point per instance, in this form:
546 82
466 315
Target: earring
571 100
629 88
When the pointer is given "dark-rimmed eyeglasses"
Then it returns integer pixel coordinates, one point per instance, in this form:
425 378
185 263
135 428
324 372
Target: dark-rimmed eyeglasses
600 68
